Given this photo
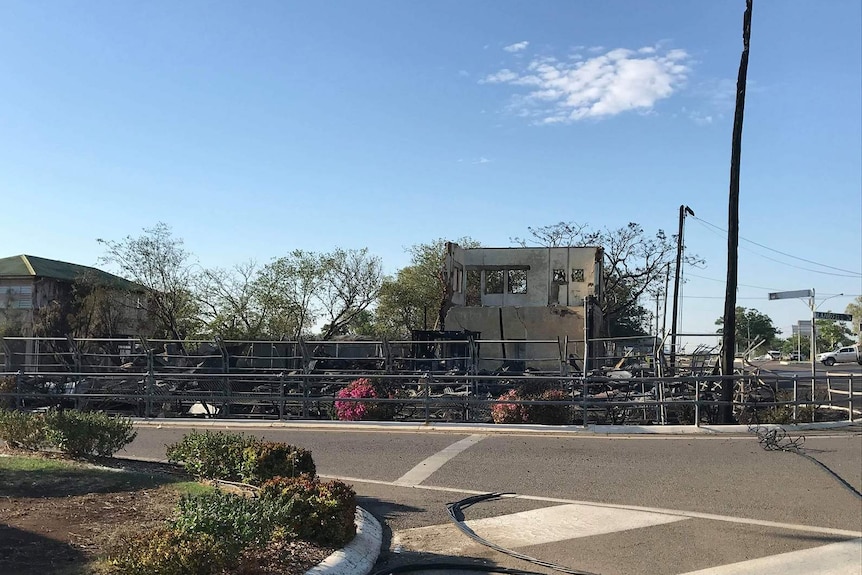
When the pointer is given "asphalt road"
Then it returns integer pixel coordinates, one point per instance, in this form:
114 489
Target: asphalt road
604 504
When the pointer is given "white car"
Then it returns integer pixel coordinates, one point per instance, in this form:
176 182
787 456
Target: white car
846 354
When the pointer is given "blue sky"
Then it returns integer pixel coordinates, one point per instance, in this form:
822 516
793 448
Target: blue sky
255 128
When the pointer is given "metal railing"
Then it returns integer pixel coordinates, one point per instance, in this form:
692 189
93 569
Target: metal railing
430 397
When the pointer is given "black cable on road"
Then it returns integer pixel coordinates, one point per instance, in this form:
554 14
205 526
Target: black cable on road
777 439
456 514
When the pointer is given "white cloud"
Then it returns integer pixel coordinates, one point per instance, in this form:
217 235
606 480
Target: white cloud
517 47
604 85
463 73
483 160
501 77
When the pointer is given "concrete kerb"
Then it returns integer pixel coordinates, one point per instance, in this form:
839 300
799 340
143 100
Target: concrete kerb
359 556
484 428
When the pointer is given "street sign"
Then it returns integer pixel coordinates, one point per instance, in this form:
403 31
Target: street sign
791 294
832 316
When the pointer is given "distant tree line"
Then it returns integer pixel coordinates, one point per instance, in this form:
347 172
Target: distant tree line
342 292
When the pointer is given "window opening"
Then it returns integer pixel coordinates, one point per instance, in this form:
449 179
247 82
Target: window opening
493 281
577 275
517 281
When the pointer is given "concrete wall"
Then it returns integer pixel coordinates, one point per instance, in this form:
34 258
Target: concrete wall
552 309
550 274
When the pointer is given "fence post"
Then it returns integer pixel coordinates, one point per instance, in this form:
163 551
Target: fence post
795 396
305 394
151 377
427 378
281 396
697 403
19 389
813 394
584 399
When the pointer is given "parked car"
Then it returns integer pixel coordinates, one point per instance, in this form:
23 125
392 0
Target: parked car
795 357
847 354
774 354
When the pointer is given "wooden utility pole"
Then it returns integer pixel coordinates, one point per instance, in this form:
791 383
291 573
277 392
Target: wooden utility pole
728 338
680 247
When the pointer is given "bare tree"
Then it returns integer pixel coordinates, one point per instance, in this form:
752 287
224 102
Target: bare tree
634 263
285 289
229 302
157 261
349 283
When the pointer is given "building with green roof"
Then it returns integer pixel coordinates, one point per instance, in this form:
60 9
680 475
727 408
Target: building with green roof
30 283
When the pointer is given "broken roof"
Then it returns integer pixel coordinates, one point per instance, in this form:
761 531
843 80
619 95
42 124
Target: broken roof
36 267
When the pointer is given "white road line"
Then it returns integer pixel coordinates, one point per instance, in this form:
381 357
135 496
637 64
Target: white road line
546 525
672 512
426 468
844 558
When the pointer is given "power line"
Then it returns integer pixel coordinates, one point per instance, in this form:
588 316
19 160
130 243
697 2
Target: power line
854 274
742 285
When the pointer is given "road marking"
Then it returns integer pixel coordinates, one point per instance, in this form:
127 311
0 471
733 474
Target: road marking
537 526
427 468
672 512
844 558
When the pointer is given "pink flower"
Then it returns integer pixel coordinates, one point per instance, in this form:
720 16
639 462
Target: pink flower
355 410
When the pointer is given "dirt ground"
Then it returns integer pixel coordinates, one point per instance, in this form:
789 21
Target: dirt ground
61 521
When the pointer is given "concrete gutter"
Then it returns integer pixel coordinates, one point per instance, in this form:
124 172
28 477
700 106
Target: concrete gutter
487 428
359 556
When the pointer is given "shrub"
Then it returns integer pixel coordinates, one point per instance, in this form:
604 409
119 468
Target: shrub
549 414
264 461
229 517
165 551
362 388
508 412
82 434
8 385
313 510
24 430
209 455
526 413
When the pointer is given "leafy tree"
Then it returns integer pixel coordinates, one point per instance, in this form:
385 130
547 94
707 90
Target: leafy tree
796 343
751 325
99 310
157 261
634 264
416 297
285 289
832 335
854 308
286 298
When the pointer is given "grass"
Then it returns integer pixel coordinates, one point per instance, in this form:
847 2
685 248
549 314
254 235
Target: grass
22 476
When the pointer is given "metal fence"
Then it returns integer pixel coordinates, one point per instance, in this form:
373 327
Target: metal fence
430 397
469 380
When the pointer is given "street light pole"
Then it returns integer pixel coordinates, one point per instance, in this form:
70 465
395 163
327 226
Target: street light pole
814 328
813 347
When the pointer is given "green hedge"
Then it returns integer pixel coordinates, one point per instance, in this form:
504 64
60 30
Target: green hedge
74 433
166 551
237 457
267 460
211 455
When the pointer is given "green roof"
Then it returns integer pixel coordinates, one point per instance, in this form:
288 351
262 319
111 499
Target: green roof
32 266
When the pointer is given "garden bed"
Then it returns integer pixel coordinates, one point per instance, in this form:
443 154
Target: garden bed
61 516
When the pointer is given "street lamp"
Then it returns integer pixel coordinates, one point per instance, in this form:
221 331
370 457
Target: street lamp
814 326
809 293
